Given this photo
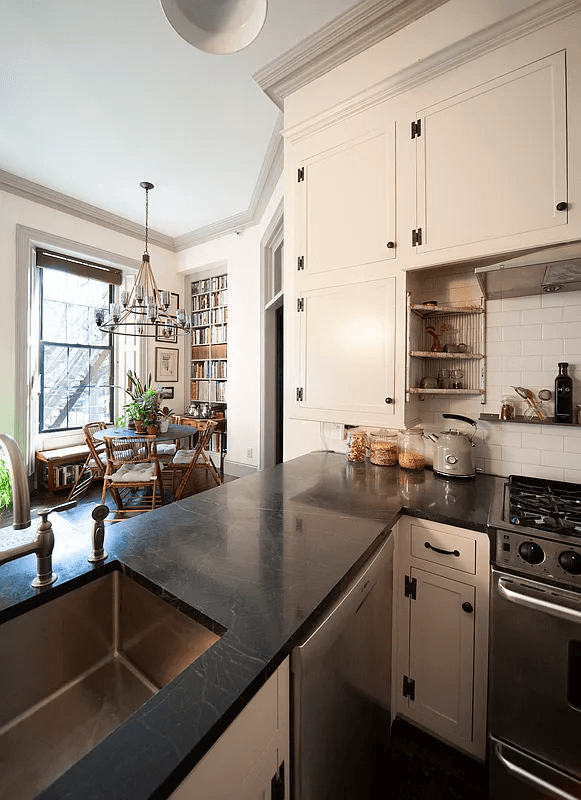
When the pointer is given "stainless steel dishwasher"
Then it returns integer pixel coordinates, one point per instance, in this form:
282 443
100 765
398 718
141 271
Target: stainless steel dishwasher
340 685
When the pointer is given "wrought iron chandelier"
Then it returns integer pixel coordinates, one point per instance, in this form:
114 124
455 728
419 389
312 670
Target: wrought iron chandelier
143 312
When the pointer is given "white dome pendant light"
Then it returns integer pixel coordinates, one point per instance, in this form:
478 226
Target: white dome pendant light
216 26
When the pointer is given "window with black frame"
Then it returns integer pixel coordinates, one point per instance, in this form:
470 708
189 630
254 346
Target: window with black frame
76 358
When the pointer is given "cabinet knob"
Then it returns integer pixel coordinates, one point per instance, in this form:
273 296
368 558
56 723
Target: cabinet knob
560 207
467 607
390 245
389 400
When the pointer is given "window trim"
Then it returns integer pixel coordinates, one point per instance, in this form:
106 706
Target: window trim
26 314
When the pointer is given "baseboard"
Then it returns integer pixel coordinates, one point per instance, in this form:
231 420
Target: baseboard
238 470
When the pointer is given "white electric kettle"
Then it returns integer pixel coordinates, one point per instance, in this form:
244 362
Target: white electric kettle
454 451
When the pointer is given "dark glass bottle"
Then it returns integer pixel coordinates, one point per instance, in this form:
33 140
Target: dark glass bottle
563 395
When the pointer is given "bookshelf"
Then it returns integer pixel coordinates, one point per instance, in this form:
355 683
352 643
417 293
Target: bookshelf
209 340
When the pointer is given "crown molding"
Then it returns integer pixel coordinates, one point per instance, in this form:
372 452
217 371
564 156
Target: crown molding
477 44
269 175
356 30
22 187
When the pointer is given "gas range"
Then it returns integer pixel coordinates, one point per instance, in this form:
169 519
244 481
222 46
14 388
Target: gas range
538 525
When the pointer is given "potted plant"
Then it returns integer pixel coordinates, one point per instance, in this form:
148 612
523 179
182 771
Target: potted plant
144 406
163 415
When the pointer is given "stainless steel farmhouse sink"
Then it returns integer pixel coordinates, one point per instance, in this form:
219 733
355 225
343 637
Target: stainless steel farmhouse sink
73 669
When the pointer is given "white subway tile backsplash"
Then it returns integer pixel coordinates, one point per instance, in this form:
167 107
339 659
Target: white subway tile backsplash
498 319
521 363
494 335
573 475
572 444
504 437
521 333
543 315
504 349
495 363
544 347
502 468
548 473
490 451
563 460
521 303
572 313
523 456
562 330
561 299
538 378
537 441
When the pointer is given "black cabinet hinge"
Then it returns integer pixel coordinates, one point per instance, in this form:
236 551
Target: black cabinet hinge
299 394
300 304
277 784
301 262
416 128
301 174
409 688
410 587
416 237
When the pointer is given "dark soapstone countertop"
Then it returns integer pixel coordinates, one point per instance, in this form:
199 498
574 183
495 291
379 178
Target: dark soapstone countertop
261 557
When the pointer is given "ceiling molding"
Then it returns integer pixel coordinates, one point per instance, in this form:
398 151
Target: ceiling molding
268 178
270 173
477 44
77 208
356 30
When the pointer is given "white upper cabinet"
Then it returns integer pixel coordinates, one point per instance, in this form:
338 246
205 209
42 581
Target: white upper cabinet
492 161
346 203
347 352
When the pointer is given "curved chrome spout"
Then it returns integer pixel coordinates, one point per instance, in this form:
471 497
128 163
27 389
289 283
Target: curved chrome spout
20 493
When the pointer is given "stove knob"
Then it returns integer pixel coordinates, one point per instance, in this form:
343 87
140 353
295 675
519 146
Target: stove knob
571 562
531 553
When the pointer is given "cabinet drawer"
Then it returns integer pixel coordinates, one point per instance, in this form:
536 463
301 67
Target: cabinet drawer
447 549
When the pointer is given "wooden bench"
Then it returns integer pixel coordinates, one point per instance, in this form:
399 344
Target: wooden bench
58 469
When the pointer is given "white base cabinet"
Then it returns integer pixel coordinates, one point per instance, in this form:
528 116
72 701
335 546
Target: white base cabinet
441 596
251 758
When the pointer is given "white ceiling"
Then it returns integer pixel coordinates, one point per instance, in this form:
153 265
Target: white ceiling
98 96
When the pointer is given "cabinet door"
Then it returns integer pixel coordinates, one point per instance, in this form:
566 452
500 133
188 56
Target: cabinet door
347 201
347 350
492 161
441 654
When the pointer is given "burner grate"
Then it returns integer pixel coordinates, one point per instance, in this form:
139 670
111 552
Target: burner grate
552 506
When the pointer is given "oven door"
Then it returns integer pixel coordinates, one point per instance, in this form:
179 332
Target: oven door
517 776
535 669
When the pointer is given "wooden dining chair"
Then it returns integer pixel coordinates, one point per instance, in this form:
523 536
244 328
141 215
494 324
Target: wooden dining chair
186 461
132 463
95 463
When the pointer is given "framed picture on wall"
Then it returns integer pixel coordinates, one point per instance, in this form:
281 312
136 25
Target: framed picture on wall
166 364
161 335
167 392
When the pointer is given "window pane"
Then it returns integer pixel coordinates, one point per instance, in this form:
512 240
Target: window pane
76 376
54 321
100 365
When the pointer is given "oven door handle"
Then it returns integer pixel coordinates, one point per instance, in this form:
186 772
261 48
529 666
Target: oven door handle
524 598
533 780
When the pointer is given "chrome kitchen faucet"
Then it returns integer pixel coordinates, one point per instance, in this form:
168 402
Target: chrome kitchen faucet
43 542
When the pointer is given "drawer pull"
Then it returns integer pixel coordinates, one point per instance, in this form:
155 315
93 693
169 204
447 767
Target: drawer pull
442 552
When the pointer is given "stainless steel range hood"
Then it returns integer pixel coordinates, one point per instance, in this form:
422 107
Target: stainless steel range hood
550 270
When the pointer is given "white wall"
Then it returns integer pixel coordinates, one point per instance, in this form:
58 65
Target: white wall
241 256
15 210
526 337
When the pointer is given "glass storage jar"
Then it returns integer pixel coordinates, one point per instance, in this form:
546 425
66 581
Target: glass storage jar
356 445
411 449
383 447
507 410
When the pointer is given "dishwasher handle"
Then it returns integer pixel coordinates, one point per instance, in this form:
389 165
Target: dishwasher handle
309 652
